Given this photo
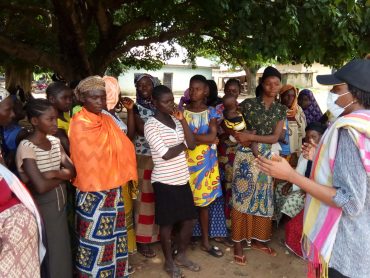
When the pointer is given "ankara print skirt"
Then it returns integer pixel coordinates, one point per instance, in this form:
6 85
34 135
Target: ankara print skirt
101 234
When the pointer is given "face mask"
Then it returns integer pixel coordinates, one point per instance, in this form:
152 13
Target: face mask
334 108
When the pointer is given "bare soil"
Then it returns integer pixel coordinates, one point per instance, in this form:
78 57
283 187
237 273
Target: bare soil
259 265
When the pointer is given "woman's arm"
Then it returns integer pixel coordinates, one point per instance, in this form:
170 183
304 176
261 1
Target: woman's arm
209 138
156 143
129 105
243 137
40 184
68 171
61 134
283 171
139 124
189 136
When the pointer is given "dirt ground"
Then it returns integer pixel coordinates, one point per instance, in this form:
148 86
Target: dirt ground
259 265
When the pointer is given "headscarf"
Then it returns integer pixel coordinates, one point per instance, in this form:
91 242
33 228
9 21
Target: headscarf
312 112
147 103
270 71
185 99
88 84
292 111
3 94
113 91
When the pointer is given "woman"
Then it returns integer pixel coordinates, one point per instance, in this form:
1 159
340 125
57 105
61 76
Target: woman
336 237
226 149
100 213
309 105
252 191
296 121
169 135
22 249
129 191
147 231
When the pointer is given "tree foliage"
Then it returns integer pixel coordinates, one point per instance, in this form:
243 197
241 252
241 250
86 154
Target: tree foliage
76 38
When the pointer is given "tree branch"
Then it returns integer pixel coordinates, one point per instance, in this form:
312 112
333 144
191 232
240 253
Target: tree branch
25 8
31 55
162 37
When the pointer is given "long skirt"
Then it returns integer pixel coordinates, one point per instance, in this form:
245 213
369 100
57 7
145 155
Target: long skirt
226 155
129 213
216 220
19 252
146 229
252 197
52 207
101 234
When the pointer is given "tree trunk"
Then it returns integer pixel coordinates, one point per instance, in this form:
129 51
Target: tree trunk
251 79
18 75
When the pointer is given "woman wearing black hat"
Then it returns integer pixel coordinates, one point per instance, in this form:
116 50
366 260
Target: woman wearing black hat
252 191
336 237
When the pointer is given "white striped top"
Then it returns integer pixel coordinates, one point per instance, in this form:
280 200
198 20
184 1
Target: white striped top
46 160
160 138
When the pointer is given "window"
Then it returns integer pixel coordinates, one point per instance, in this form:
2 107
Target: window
167 79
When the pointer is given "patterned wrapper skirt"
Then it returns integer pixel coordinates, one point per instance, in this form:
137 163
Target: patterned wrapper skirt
252 198
19 251
146 229
101 234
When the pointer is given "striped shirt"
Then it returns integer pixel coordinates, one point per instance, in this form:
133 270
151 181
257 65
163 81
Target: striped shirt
160 138
46 160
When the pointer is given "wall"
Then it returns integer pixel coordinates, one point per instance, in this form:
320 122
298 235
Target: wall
180 81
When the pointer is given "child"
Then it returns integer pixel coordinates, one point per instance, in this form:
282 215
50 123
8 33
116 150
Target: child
60 96
234 120
44 166
203 166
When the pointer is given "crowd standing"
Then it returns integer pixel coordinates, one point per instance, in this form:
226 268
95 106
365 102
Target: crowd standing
82 190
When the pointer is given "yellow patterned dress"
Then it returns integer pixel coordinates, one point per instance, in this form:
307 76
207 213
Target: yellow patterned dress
202 161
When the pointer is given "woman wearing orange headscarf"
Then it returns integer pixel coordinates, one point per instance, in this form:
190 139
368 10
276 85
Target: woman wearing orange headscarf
296 119
105 161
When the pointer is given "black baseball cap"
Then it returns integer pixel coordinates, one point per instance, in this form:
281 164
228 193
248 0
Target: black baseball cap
355 73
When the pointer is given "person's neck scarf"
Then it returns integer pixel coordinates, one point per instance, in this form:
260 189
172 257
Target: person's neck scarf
103 155
22 194
147 103
320 220
312 112
292 111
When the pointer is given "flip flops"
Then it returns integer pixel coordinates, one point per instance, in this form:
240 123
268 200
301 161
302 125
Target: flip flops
189 265
266 250
240 260
174 272
213 251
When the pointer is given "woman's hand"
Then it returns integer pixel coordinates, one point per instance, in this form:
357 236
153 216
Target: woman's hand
277 167
309 150
128 103
177 114
243 137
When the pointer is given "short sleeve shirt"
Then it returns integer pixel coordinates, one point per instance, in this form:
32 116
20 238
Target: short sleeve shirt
260 119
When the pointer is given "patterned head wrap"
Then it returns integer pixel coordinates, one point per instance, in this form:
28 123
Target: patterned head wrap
3 94
113 91
88 84
292 111
147 103
312 112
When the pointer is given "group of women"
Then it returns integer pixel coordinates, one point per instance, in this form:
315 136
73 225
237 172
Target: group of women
92 189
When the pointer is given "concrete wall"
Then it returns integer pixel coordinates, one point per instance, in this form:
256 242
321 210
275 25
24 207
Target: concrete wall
180 82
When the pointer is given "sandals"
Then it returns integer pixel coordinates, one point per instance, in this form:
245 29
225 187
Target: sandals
146 251
266 250
174 272
214 251
225 241
189 265
240 260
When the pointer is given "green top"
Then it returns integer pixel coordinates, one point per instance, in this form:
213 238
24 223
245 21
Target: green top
258 118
